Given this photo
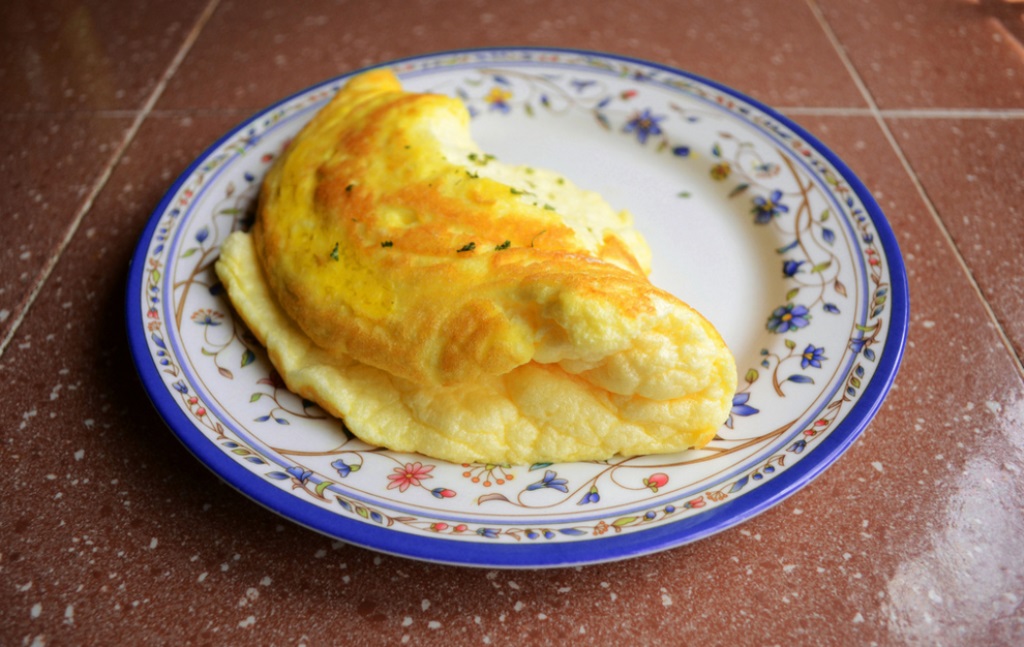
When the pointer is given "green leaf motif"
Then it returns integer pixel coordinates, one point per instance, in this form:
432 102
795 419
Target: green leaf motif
248 357
740 188
752 376
189 252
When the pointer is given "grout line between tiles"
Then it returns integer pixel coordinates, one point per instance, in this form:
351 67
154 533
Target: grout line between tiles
922 192
108 171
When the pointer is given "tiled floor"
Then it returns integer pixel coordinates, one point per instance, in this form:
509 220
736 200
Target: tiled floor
110 532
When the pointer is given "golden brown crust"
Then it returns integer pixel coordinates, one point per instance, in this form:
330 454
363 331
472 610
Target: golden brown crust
390 260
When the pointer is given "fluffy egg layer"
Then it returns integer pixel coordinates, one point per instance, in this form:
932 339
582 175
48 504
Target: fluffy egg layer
441 302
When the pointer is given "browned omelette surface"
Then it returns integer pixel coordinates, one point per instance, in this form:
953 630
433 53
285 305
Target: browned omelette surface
442 302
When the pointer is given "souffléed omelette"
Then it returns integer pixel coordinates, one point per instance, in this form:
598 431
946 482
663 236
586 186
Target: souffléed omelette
441 302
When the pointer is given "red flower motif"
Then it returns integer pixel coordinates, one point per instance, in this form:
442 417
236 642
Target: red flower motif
410 475
655 481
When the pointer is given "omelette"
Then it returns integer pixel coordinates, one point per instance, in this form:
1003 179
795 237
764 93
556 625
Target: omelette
442 302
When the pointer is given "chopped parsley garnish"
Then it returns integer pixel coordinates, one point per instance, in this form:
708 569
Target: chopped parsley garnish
468 247
504 245
387 243
334 252
548 207
516 191
349 187
472 175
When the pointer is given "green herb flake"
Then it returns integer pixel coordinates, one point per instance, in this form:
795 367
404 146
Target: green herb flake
468 247
472 175
516 191
548 207
387 243
480 159
504 245
334 252
348 189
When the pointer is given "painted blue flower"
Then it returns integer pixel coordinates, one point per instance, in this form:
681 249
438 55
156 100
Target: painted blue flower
344 469
740 408
590 497
550 481
790 268
180 387
644 124
300 474
580 86
767 208
788 317
812 356
490 533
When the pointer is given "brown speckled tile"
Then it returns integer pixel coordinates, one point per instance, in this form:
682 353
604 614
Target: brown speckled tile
777 53
116 534
929 54
50 165
972 171
112 533
93 55
943 459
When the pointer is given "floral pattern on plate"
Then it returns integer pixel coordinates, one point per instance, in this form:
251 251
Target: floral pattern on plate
815 311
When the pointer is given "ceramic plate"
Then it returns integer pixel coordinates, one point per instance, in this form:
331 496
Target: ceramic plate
750 219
